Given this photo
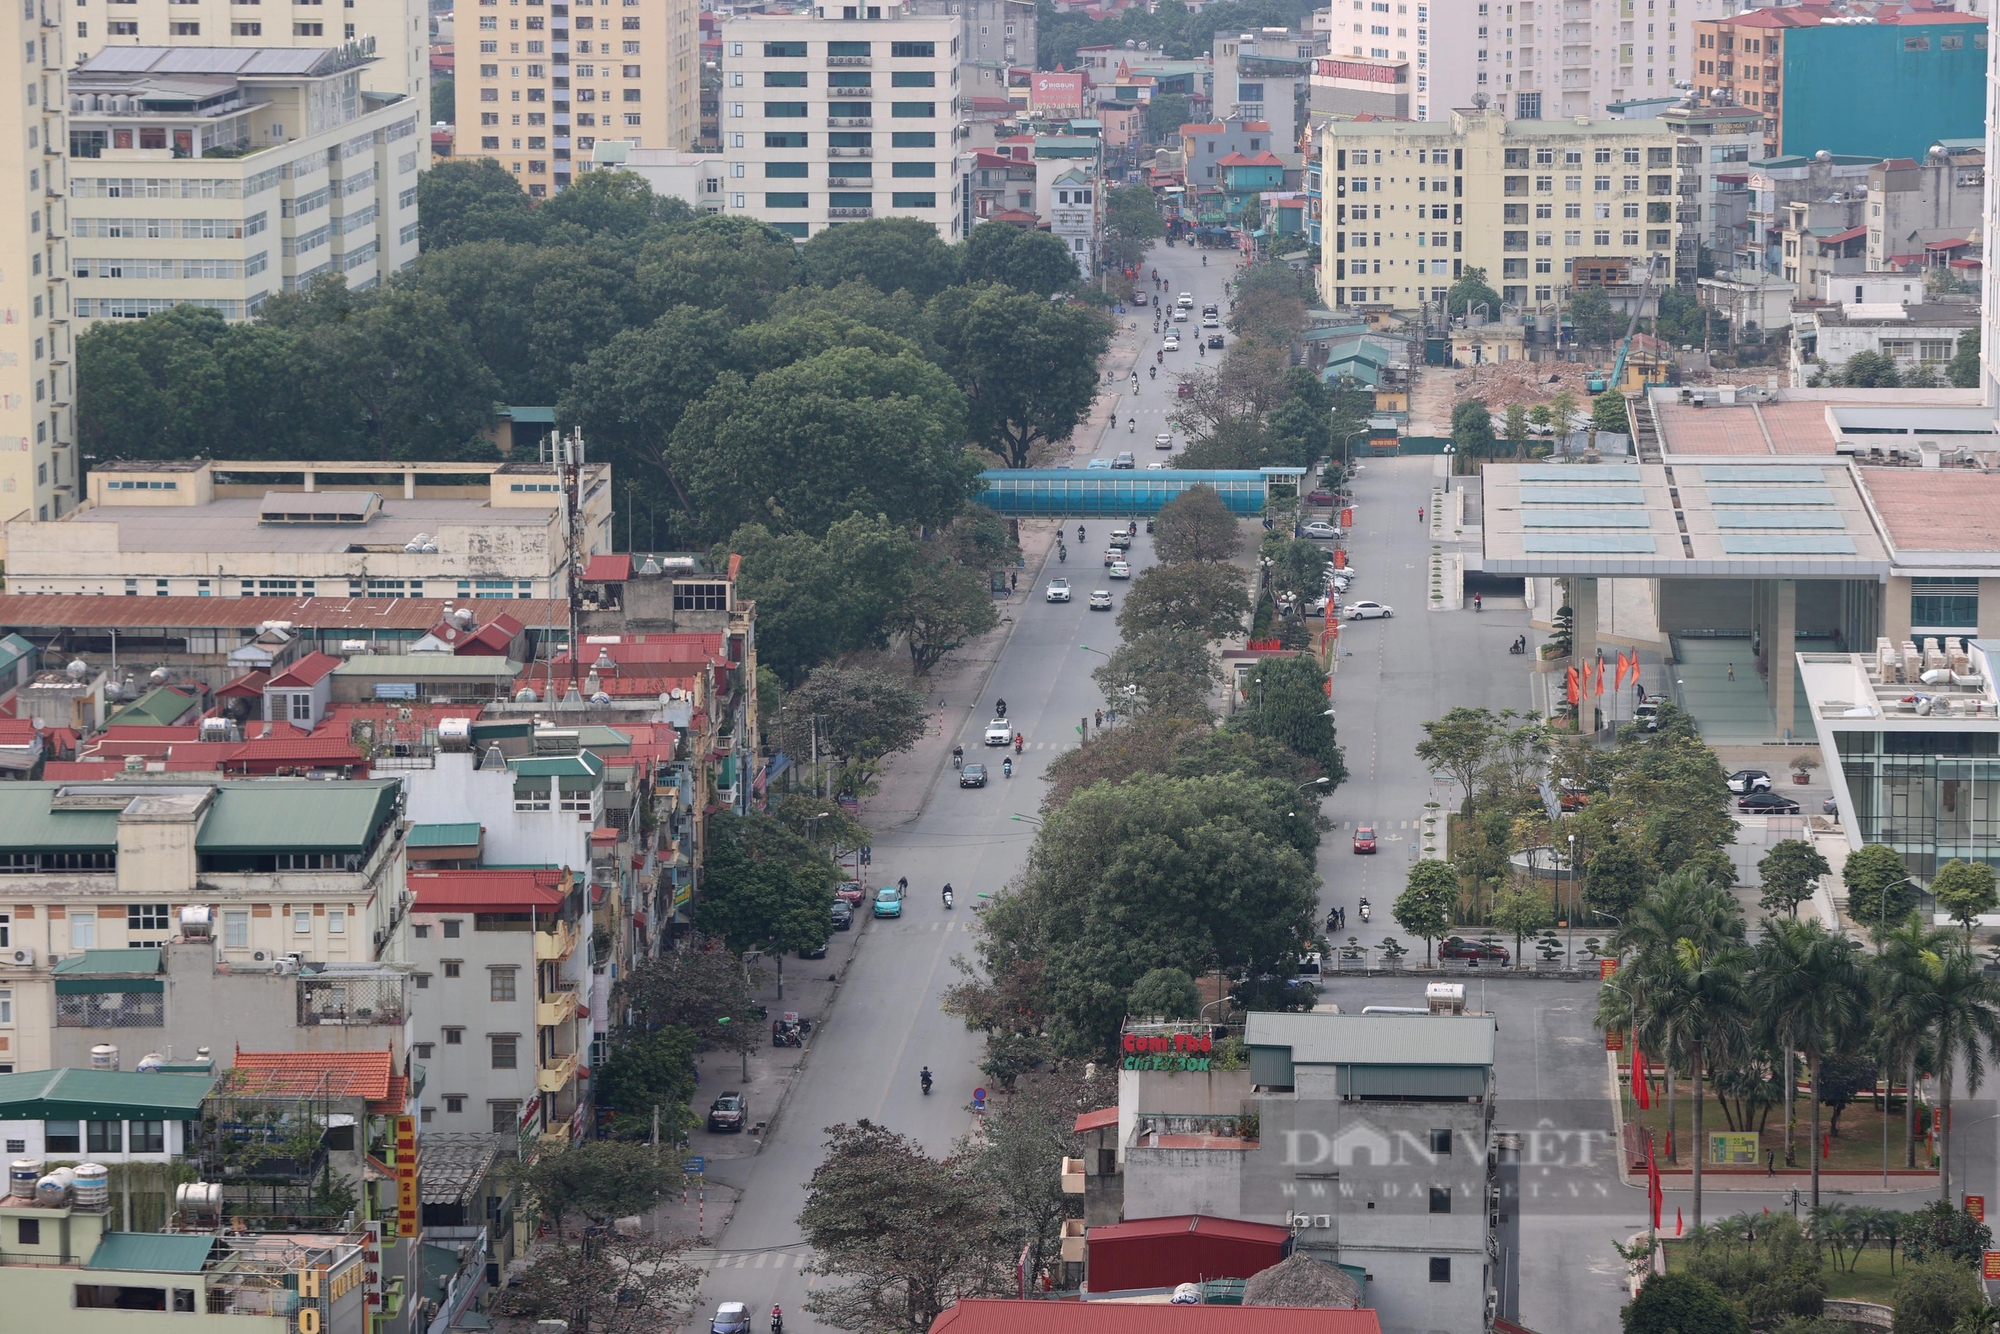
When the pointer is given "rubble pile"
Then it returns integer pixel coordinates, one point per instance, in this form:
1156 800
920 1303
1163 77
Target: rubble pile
1499 384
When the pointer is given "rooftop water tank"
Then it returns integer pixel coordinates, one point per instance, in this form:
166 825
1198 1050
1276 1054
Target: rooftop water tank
104 1056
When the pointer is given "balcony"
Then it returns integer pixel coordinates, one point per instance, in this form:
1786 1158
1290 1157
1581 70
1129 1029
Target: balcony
554 945
850 213
1072 1176
850 152
1073 1241
557 1075
557 1008
352 999
858 122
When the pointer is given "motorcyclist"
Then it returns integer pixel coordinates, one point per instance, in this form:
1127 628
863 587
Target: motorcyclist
947 894
925 1076
1152 372
1204 261
777 1320
1007 767
1079 534
1476 602
1132 426
957 757
1000 708
1160 358
1017 743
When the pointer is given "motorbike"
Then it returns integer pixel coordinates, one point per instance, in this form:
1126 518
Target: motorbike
1475 602
1062 555
1007 767
999 708
1079 534
925 1078
958 757
777 1321
1364 910
1017 743
1152 372
947 896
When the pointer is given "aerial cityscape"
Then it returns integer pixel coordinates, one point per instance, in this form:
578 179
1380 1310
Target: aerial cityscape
1221 668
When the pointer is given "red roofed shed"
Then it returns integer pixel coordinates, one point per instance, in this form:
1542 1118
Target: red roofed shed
1181 1248
989 1316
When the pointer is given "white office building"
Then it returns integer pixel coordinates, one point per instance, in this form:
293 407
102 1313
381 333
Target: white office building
850 112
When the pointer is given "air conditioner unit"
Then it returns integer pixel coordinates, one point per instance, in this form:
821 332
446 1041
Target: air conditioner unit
22 956
1302 1220
262 956
1322 1220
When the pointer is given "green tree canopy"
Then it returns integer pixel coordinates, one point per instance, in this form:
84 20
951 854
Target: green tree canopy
610 202
764 885
891 254
1288 703
1166 114
1166 673
1132 223
1607 412
801 447
1789 871
1167 992
1023 259
1614 877
645 1072
1429 902
472 199
1682 1304
1027 366
817 597
1596 323
1963 369
601 1179
857 717
1472 429
1964 889
1209 601
1471 289
702 991
1879 889
947 606
631 392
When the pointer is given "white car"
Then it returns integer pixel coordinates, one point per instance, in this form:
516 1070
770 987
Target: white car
999 732
1164 440
1058 590
1320 528
1120 570
1210 322
1185 300
1156 466
1368 611
1171 343
1100 600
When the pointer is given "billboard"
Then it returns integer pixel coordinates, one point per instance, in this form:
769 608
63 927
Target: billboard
1056 93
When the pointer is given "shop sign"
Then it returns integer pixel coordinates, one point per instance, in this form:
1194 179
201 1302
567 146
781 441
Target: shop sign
1184 1052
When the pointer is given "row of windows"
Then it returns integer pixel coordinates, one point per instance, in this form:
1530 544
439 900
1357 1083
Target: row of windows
171 229
844 79
799 110
846 139
104 1137
86 267
839 199
797 50
803 169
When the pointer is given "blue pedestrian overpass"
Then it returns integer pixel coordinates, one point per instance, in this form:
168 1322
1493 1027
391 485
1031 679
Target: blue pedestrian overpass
1085 493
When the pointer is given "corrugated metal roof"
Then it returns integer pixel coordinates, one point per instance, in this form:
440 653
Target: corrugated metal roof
444 835
490 889
273 813
102 1095
162 705
1205 1225
1376 1039
583 764
92 962
309 670
358 617
152 1252
13 648
426 664
27 822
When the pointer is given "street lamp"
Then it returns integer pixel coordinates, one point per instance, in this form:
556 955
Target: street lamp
1317 782
1571 917
1346 445
1449 451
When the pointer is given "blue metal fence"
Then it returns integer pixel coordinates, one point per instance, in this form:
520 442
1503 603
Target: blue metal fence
1104 493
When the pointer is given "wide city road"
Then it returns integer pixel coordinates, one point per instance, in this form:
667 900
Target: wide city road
887 1023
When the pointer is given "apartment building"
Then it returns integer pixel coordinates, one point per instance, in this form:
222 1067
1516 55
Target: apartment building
1713 148
1414 204
1554 60
205 527
1262 76
502 961
799 117
400 30
538 86
1930 210
285 866
215 176
1887 85
998 35
38 469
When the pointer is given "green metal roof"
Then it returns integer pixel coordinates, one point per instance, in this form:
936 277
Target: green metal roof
581 765
110 961
445 835
162 706
266 814
152 1252
101 1095
28 823
13 648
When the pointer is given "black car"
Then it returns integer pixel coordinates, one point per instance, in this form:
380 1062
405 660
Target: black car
1215 340
972 775
843 914
728 1112
1456 947
1767 803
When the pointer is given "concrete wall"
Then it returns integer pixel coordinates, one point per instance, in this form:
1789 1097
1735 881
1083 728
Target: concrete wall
464 1069
454 792
1160 1182
1217 1093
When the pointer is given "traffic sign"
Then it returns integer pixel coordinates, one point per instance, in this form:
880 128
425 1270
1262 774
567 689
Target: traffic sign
695 1167
1976 1206
979 1100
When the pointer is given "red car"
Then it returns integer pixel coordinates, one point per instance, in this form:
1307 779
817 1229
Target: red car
1364 838
1456 947
850 891
1319 498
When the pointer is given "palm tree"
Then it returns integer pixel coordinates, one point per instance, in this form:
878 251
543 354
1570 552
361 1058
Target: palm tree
1812 989
1965 1010
1695 994
1682 906
1906 976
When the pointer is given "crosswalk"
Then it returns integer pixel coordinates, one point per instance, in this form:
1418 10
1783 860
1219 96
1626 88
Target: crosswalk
749 1260
1379 824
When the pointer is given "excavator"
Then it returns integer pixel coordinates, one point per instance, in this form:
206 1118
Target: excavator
1597 383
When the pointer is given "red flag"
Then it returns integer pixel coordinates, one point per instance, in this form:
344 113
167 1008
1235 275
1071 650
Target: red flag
1654 1195
1575 686
1677 1222
1825 1145
1641 1088
1618 677
1599 691
1670 1144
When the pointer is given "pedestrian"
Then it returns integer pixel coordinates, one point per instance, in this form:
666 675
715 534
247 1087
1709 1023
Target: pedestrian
1013 582
1770 1162
1420 514
1732 671
1100 718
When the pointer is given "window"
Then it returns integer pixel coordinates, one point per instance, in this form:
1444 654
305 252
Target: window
784 139
779 50
29 1230
82 929
504 1053
913 139
1944 603
336 921
784 78
913 78
423 981
104 1136
783 169
452 967
451 927
916 199
1440 1269
506 1116
1440 1199
6 1005
149 1137
454 1037
913 110
302 923
147 919
785 110
423 930
913 50
236 930
454 1102
425 1050
1441 1142
501 983
62 1136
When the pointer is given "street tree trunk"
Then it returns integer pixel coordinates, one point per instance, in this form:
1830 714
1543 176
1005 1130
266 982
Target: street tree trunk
1910 1110
1673 1141
1695 1062
1812 1072
1791 1090
1944 1125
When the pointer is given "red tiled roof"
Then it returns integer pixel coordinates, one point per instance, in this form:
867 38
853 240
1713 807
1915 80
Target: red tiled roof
1203 129
301 1074
17 731
1946 245
307 671
1260 160
56 611
1840 237
986 1315
135 732
614 568
1097 1120
250 685
491 890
